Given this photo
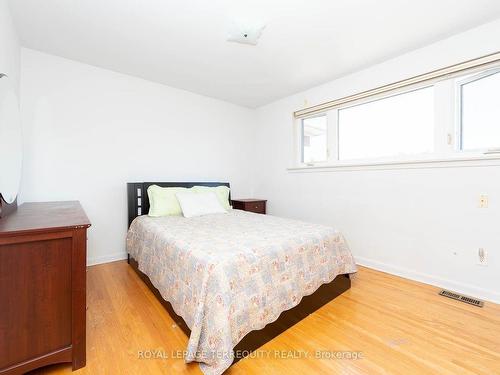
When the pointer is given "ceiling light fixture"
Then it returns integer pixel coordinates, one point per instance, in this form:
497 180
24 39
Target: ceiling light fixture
245 34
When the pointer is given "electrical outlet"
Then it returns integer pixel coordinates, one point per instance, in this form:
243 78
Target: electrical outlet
482 257
483 201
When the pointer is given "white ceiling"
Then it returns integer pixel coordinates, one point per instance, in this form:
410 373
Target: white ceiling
182 43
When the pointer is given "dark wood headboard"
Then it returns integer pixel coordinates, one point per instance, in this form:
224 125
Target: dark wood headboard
138 200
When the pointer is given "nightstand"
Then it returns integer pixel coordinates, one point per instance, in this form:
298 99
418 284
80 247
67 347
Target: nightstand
253 205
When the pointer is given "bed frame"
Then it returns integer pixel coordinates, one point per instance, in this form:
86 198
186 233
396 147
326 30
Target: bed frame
138 204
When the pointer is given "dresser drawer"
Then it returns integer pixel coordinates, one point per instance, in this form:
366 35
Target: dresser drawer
252 205
257 207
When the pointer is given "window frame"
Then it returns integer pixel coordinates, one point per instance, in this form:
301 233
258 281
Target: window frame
300 145
460 83
448 150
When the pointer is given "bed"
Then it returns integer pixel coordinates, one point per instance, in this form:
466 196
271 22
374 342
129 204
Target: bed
234 281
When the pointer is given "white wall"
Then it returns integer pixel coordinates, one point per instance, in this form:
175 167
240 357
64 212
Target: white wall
9 45
409 222
88 131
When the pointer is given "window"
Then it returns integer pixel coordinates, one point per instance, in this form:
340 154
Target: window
480 111
453 116
398 125
314 142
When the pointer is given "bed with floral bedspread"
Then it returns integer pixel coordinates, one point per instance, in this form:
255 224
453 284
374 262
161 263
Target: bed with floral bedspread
229 274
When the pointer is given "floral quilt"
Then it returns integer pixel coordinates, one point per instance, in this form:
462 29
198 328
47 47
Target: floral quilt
231 273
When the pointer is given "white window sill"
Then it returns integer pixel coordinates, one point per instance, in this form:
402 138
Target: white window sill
451 161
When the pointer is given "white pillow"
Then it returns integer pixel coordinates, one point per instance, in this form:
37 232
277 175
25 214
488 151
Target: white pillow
198 204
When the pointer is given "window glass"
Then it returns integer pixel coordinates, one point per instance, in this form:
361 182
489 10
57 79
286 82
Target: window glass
480 111
398 125
314 140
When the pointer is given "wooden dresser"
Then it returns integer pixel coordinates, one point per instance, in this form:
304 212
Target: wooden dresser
43 251
253 205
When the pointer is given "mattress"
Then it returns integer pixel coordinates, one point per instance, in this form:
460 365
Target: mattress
231 273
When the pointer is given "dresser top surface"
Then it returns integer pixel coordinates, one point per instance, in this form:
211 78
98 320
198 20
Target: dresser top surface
44 216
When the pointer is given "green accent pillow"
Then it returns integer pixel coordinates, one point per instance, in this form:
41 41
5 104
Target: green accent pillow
163 202
222 193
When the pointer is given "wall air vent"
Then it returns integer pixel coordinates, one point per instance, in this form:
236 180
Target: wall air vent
460 297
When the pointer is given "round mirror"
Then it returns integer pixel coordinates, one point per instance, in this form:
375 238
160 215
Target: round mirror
11 152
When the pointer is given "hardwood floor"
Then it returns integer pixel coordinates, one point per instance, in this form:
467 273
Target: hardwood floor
399 326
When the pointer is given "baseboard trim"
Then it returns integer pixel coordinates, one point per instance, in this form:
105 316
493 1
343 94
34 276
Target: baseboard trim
467 289
106 259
